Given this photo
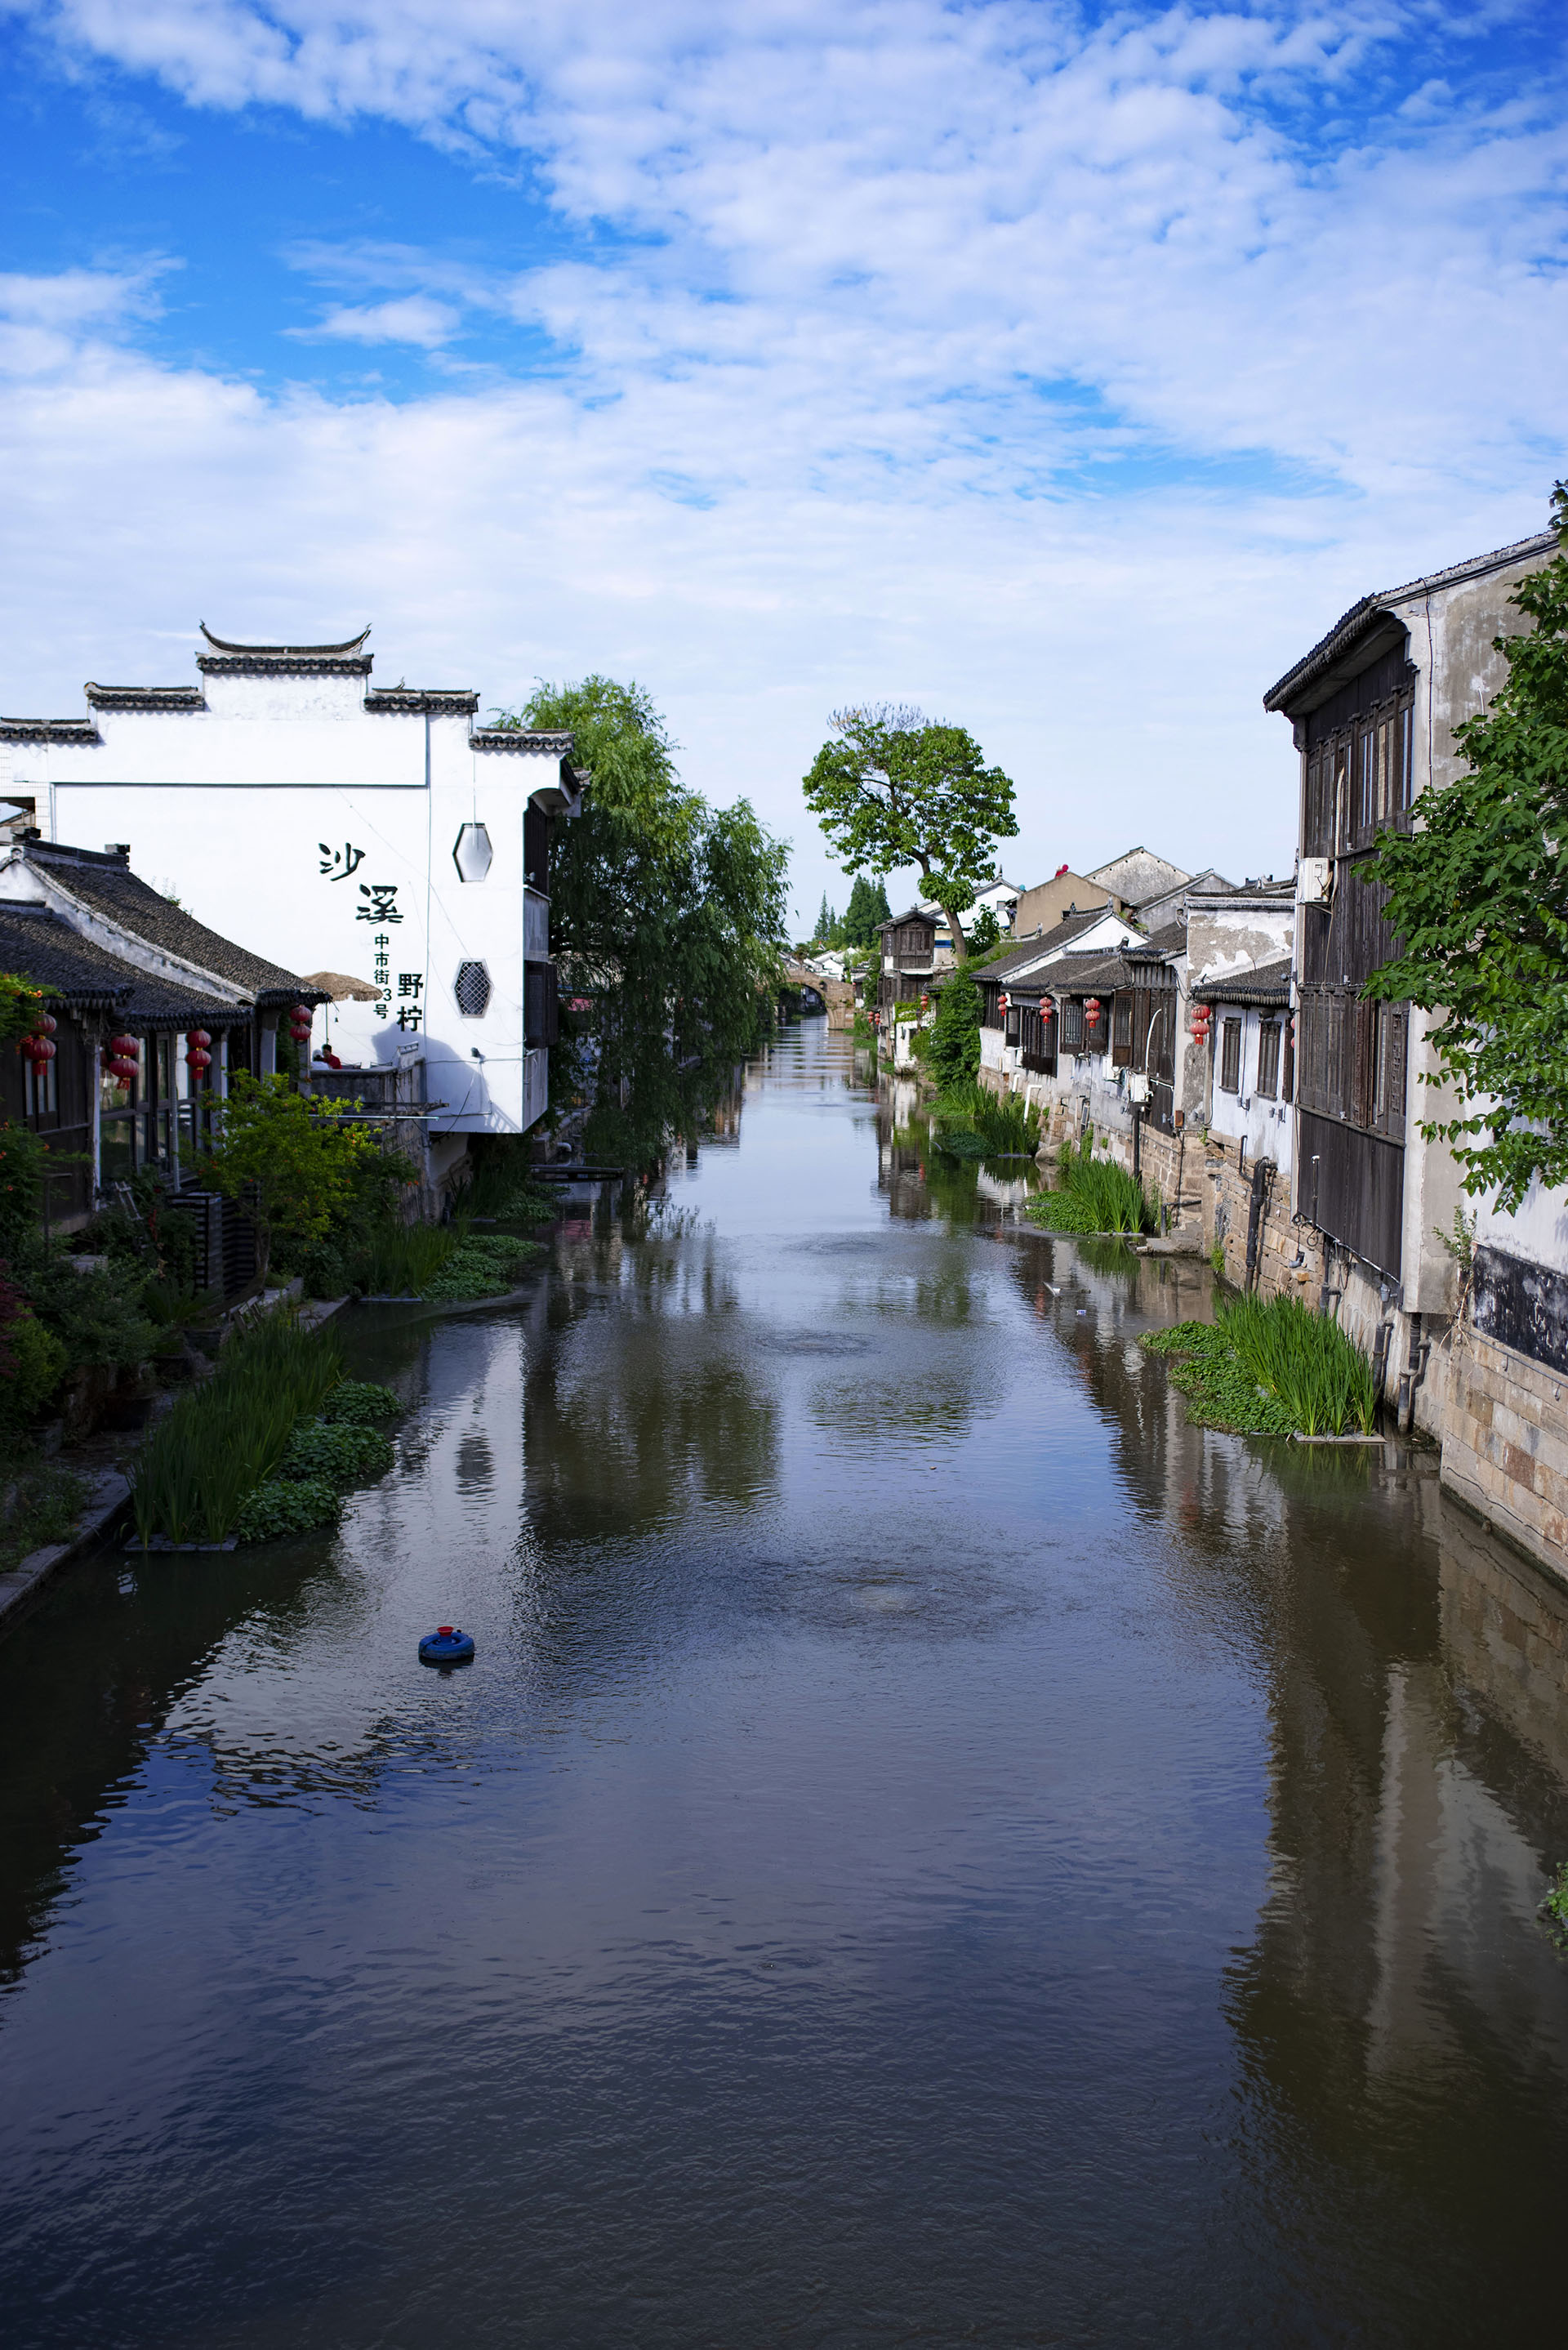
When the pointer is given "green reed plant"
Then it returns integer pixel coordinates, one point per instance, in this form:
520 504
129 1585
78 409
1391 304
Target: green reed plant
1322 1379
403 1260
1093 1195
1007 1125
222 1438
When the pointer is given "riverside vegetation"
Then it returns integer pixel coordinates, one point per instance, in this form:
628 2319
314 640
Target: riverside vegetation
1270 1368
1093 1195
266 1446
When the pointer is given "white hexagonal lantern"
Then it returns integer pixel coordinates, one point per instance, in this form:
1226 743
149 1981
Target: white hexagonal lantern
471 853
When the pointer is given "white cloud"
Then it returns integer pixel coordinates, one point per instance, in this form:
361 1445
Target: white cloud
921 309
415 318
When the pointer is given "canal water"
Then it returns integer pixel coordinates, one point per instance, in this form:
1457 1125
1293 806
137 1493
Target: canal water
933 1849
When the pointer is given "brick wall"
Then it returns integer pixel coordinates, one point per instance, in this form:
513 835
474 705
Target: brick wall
1504 1430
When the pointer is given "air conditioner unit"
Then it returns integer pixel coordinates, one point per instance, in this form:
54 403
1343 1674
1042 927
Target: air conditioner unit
1314 882
1137 1086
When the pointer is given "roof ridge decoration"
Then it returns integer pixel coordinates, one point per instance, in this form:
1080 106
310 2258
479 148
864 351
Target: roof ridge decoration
287 652
145 697
519 738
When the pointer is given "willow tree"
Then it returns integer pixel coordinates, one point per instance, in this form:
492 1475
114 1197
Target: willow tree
894 788
1478 894
666 919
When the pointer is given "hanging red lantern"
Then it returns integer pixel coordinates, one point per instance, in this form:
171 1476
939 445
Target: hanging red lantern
303 1012
1091 1007
199 1037
123 1071
47 1025
38 1048
127 1047
1047 1008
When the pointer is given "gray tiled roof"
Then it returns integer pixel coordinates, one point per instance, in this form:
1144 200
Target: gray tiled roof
104 882
1169 939
1367 615
1079 974
1030 951
1262 983
77 972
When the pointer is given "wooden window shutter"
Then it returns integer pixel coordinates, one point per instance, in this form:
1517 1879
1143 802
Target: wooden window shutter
1230 1057
1394 1088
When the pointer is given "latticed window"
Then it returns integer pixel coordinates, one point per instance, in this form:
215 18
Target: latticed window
471 989
1230 1057
1269 1058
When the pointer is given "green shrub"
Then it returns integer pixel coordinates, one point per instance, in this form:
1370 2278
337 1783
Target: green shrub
32 1365
281 1508
22 1158
504 1186
1554 1908
953 1055
42 1507
345 1453
97 1316
359 1401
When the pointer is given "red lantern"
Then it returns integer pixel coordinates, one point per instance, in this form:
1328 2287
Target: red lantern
303 1012
1047 1008
1001 1001
127 1047
38 1048
47 1025
197 1060
1091 1007
122 1070
199 1037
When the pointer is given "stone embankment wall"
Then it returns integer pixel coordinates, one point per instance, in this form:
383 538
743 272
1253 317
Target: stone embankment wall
1504 1433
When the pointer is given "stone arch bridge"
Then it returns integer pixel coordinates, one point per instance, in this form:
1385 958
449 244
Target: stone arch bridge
834 996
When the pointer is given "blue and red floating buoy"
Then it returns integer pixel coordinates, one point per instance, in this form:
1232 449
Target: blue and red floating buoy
446 1646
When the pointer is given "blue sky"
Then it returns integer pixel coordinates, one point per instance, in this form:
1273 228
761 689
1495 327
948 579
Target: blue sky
1065 370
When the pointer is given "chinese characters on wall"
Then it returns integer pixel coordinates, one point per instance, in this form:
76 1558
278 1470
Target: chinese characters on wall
381 906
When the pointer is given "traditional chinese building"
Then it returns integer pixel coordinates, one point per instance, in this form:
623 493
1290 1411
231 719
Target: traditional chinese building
379 834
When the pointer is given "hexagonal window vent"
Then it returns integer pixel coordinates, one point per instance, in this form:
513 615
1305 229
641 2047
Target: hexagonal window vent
471 853
471 989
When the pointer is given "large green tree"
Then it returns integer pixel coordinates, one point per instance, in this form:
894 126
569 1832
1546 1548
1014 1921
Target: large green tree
867 910
1478 892
894 788
666 917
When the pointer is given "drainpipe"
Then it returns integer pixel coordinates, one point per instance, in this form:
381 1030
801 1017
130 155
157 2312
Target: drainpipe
1380 1359
1411 1376
1256 1206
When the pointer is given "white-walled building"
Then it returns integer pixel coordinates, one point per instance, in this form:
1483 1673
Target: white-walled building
1239 951
338 827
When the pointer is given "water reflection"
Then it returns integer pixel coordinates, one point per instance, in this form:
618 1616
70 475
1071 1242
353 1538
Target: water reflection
935 1845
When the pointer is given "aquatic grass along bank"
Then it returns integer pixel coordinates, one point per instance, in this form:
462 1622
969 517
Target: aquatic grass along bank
971 1122
1093 1195
266 1446
1270 1368
445 1263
